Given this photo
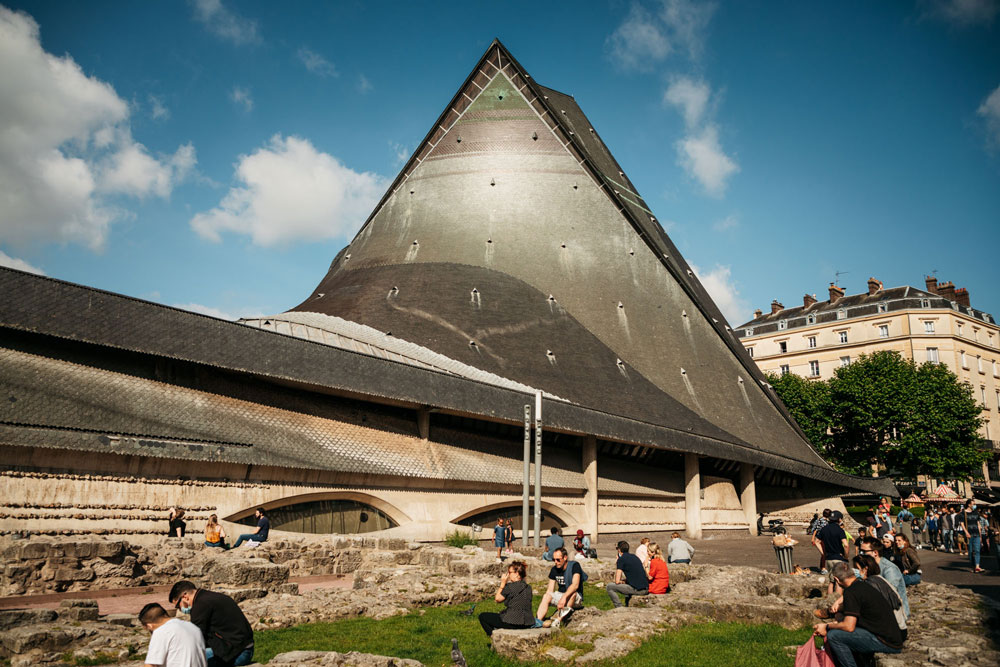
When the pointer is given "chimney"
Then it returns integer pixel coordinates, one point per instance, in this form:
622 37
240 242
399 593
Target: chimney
808 300
931 282
757 313
835 293
962 297
947 290
874 286
776 306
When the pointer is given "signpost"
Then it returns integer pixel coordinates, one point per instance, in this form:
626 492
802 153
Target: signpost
525 521
538 466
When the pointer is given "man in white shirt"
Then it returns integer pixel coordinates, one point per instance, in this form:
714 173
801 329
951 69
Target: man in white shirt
175 643
679 551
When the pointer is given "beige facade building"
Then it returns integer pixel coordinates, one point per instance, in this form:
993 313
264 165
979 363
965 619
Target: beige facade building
935 324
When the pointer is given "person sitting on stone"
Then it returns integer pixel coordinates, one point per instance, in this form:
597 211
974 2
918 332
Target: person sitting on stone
642 552
581 544
891 573
174 643
869 625
909 561
259 535
515 594
678 550
553 542
565 589
659 575
177 523
215 534
630 577
227 633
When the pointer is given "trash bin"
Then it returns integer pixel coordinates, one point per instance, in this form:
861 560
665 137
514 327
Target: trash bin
784 555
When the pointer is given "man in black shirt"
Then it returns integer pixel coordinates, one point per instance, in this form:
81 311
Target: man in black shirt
565 589
832 540
259 535
228 635
869 625
630 576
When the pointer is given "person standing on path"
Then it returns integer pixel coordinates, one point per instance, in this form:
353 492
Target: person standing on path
947 529
831 540
630 577
499 538
509 536
515 595
174 643
226 631
971 525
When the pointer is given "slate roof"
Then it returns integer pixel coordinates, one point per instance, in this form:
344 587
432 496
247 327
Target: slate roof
55 314
894 299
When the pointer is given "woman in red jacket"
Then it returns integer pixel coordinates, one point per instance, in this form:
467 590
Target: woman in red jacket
659 575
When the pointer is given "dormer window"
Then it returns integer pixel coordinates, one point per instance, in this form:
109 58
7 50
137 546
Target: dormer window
883 307
842 314
811 319
925 303
782 324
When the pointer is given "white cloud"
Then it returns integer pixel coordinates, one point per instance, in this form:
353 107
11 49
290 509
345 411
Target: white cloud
990 111
316 63
157 110
19 264
704 160
291 192
687 22
242 97
638 43
401 152
63 136
962 13
729 222
226 23
690 96
722 288
364 85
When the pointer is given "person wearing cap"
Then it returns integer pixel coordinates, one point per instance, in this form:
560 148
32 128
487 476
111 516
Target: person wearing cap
581 543
831 540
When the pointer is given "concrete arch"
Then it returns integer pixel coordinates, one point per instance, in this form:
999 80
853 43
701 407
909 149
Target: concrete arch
557 511
390 510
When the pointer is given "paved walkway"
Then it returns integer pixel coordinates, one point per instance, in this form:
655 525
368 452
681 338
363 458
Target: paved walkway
733 548
132 600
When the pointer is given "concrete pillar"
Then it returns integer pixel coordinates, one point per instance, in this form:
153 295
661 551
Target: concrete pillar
748 496
692 496
590 482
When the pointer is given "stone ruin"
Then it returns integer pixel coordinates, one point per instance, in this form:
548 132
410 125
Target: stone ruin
948 626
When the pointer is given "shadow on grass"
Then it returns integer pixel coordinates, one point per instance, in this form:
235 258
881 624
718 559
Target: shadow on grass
425 635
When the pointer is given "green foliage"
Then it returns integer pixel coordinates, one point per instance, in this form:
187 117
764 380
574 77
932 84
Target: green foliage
809 403
425 635
459 538
885 412
99 658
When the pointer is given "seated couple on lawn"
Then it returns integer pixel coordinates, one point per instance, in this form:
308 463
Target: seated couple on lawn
565 591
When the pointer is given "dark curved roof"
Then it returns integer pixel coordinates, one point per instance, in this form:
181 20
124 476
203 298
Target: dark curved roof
512 241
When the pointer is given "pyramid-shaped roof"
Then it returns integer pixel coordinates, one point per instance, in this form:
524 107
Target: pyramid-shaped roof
513 242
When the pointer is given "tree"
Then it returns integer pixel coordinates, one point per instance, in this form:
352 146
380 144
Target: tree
808 401
888 413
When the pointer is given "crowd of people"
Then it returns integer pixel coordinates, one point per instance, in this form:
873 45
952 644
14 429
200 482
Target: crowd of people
872 607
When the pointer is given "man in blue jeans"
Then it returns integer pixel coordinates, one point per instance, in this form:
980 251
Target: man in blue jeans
869 625
259 535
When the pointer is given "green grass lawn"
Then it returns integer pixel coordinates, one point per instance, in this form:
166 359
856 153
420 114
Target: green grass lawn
425 635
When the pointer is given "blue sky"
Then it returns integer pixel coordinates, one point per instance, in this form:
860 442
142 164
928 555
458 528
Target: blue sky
216 155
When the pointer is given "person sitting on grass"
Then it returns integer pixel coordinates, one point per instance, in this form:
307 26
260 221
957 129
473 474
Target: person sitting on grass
630 577
174 643
869 625
565 589
215 534
515 594
659 575
259 535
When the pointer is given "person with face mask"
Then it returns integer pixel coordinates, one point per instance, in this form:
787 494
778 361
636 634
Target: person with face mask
228 635
970 523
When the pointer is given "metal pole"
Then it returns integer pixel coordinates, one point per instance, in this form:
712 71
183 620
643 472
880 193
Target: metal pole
538 466
526 491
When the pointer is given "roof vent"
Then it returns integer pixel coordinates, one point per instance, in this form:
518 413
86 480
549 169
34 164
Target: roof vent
534 136
562 111
415 242
500 96
591 130
411 192
562 245
621 173
267 323
551 355
575 186
552 298
458 139
739 380
347 256
472 343
690 272
621 305
489 240
493 181
631 251
621 364
684 313
683 372
475 290
393 291
321 295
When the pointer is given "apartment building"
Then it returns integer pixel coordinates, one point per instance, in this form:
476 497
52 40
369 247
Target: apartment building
935 324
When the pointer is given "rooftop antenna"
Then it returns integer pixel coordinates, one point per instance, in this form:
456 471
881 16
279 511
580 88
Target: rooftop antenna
837 274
